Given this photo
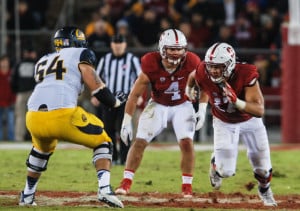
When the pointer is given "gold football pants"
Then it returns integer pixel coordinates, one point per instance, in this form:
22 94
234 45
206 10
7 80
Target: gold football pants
73 125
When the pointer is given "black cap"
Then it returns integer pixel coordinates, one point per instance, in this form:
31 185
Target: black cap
118 38
28 48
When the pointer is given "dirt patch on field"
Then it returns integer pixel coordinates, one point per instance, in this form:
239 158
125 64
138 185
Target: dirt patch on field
208 200
168 200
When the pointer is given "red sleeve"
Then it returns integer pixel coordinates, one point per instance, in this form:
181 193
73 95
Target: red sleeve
253 75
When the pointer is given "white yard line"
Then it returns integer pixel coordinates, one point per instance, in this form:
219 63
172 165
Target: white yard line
63 145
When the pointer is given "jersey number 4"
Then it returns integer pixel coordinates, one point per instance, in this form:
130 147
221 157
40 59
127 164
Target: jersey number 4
173 89
56 67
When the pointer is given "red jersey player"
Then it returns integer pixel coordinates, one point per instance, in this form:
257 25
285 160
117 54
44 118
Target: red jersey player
166 72
237 103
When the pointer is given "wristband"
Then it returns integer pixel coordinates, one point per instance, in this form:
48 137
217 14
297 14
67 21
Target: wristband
105 96
202 107
240 104
127 118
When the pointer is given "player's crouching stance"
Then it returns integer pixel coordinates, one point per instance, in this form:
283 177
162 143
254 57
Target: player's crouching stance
53 113
233 92
166 72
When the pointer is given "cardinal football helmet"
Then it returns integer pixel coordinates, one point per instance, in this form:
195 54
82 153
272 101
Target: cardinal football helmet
172 38
69 36
220 54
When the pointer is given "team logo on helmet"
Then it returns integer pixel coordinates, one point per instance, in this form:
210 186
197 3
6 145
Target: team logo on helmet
67 37
79 34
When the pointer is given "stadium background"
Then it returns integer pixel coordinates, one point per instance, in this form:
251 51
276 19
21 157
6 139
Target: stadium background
255 26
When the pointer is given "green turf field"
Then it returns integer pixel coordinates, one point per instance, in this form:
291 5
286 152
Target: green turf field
72 170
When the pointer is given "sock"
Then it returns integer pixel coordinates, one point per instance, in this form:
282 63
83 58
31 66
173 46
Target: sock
187 178
128 174
30 186
263 189
103 176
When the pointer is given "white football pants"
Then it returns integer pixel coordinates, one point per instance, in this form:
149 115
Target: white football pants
226 141
155 117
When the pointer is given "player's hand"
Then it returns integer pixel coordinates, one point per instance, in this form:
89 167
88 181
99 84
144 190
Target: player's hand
230 93
121 96
126 129
191 93
231 96
200 116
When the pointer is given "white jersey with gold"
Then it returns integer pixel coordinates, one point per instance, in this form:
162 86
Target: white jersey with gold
58 80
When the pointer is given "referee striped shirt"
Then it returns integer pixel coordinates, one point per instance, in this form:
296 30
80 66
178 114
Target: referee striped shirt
119 73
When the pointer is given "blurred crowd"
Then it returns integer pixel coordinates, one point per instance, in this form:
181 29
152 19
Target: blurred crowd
241 23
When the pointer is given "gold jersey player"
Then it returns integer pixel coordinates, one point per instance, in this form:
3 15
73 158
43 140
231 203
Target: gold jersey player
166 72
237 103
53 113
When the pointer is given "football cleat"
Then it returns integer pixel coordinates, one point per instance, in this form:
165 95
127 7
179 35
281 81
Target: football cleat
124 188
215 179
27 199
107 196
187 190
267 198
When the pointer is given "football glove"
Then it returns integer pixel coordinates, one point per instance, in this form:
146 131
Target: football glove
121 98
126 129
200 116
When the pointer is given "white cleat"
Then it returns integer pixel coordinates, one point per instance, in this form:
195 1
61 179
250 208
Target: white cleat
27 200
107 196
215 179
267 198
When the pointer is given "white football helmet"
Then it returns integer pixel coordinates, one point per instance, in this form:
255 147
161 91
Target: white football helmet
172 38
220 54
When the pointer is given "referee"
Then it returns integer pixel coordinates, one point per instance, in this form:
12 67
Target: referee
119 70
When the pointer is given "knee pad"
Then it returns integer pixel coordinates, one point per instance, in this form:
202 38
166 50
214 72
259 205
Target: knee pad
37 161
103 151
263 176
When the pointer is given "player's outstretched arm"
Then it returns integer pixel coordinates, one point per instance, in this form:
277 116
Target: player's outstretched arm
98 88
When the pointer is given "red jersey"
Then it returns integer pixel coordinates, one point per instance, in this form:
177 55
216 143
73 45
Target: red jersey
243 76
168 88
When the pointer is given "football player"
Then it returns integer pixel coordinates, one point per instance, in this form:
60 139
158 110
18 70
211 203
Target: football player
53 113
166 72
237 103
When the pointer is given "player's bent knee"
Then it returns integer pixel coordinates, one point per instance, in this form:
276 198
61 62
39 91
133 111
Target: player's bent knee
37 161
103 151
263 176
140 144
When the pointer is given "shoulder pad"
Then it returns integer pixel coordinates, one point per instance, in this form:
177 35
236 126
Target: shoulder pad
89 57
